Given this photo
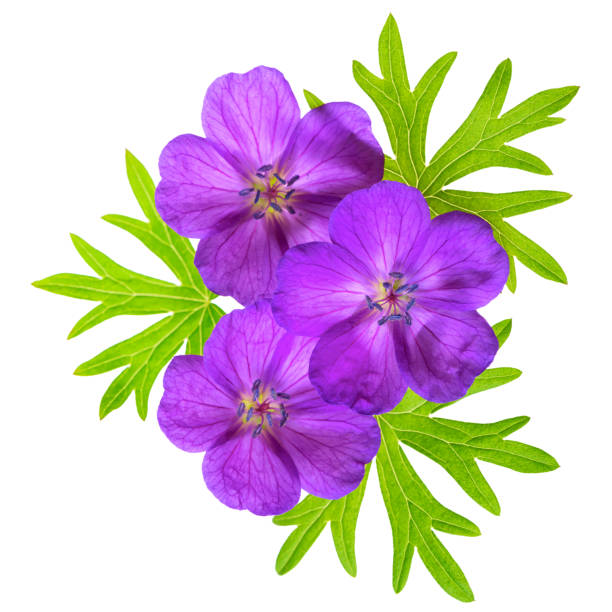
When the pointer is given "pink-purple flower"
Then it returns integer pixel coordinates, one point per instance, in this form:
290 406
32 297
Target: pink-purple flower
263 179
249 405
393 299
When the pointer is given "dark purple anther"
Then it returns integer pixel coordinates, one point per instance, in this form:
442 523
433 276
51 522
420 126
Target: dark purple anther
396 274
257 196
249 414
394 317
260 175
241 408
276 207
410 304
407 319
290 209
246 191
265 168
289 194
386 285
370 302
283 395
257 430
269 418
279 179
284 419
273 393
377 306
259 214
292 180
255 389
283 411
382 320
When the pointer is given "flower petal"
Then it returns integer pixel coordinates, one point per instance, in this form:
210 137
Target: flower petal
457 263
252 473
380 225
287 369
194 411
319 285
310 223
442 352
240 346
354 364
333 151
198 186
240 259
251 115
329 445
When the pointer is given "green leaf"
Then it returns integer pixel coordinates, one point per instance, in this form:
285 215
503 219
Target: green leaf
527 252
480 142
122 291
413 511
311 516
312 100
344 524
455 445
502 331
413 514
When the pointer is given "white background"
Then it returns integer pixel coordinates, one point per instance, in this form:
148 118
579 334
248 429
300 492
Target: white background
109 515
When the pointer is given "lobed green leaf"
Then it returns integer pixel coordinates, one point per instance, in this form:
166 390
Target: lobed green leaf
122 291
413 514
480 142
311 516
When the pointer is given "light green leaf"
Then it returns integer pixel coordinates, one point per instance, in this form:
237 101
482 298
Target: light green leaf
504 204
122 291
480 142
312 100
311 516
455 445
303 537
344 524
413 514
502 331
527 251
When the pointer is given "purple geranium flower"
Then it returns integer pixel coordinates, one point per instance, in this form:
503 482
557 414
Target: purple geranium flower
267 433
394 299
263 179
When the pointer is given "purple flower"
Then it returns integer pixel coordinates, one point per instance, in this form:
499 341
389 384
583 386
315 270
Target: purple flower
393 299
249 404
263 179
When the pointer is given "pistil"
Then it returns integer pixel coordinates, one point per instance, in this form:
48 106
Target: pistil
271 193
261 405
397 300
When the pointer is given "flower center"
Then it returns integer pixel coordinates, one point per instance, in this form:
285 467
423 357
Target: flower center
270 192
263 408
394 299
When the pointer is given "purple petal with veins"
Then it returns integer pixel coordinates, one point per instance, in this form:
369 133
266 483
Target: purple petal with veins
393 299
267 433
263 180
